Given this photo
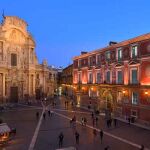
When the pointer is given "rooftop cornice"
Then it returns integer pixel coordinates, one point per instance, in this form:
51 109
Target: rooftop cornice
120 44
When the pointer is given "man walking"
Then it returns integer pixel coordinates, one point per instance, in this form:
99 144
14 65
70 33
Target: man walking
77 137
115 122
61 137
44 115
37 115
101 135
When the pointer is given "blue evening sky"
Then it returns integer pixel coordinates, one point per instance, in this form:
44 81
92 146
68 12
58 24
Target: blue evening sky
64 28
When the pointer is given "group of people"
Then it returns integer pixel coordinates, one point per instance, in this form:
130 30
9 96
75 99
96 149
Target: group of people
94 119
61 138
111 122
83 121
66 104
50 113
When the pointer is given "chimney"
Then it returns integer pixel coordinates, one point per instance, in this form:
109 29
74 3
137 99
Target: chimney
112 43
82 52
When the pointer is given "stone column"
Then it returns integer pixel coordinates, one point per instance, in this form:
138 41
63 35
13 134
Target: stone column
34 84
4 87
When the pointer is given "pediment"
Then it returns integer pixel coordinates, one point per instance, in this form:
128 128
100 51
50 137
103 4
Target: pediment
134 62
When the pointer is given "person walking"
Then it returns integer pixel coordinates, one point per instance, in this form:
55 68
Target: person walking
93 121
142 147
96 119
92 115
49 113
106 148
82 121
94 132
77 137
115 122
129 120
85 121
37 115
61 138
101 135
44 115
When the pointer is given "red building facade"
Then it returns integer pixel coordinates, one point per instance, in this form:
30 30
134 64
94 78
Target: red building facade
117 78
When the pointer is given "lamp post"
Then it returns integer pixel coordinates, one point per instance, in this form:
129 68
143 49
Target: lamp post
146 94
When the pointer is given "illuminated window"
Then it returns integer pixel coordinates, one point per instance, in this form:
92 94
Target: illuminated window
13 59
1 50
90 78
120 78
135 98
98 77
79 78
134 76
108 76
98 59
119 54
134 51
107 55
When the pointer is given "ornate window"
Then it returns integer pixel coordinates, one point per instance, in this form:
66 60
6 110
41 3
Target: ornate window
119 77
119 54
135 98
13 59
1 50
134 51
107 55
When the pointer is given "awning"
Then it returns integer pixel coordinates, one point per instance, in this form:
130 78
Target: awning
4 128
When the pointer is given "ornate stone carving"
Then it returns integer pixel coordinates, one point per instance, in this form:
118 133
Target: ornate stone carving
17 37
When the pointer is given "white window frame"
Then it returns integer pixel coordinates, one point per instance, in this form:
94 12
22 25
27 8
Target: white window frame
106 55
96 76
97 58
117 75
90 72
135 68
117 53
133 103
131 50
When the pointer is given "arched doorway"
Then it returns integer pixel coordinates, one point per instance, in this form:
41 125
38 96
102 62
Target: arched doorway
108 100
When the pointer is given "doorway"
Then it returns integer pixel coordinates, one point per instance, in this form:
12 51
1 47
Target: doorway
14 94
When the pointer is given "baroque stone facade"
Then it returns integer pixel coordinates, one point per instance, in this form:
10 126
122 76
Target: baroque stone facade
21 76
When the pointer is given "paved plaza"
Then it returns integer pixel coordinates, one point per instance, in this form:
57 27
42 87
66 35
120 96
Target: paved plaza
43 134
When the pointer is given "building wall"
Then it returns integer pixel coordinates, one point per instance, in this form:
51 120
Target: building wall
124 97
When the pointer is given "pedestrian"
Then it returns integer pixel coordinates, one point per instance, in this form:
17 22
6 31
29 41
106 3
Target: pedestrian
44 115
82 121
61 137
129 120
77 137
94 132
101 135
74 118
107 123
85 121
110 122
49 113
106 148
96 119
142 147
115 122
92 115
37 115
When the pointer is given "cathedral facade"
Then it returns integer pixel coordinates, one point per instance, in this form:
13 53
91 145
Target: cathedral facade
21 76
